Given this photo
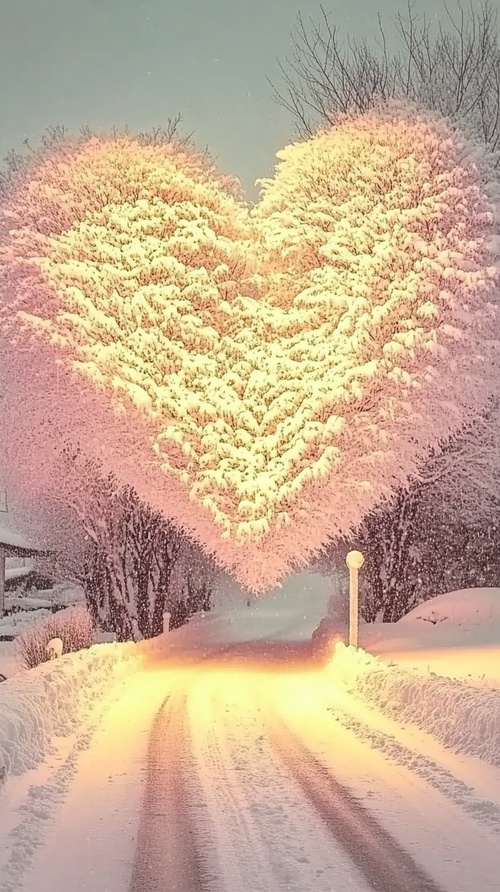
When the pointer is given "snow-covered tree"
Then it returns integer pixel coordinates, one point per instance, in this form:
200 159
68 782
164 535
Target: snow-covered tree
101 535
463 474
262 377
128 565
441 529
440 532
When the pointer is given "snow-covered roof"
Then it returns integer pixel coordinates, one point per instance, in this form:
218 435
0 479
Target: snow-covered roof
17 542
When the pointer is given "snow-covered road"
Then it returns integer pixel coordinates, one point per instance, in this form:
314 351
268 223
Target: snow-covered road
233 773
223 757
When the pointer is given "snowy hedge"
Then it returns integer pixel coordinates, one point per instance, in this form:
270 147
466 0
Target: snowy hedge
53 699
464 718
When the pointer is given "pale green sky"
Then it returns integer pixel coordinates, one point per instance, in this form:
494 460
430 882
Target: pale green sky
137 62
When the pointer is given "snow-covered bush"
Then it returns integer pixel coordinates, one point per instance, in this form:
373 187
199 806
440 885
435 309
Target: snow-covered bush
73 626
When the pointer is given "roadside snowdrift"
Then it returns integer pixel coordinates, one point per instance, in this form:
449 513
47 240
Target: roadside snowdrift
458 635
53 699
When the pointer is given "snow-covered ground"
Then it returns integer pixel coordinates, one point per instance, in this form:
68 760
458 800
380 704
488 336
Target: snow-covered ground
47 719
438 668
249 740
455 634
289 613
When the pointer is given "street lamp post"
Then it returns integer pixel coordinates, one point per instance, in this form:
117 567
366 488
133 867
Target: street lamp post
354 561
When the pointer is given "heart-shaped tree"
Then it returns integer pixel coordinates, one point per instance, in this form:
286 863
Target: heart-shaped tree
266 375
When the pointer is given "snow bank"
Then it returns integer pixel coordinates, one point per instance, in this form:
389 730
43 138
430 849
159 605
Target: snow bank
455 634
54 698
463 717
471 607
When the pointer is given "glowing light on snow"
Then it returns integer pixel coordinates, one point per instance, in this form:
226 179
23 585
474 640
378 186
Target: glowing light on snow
263 376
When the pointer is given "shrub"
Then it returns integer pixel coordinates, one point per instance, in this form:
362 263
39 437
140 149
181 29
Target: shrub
73 626
33 579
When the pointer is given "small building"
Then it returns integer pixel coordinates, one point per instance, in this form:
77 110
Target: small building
14 545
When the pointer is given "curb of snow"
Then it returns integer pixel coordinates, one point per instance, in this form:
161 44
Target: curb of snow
50 700
464 718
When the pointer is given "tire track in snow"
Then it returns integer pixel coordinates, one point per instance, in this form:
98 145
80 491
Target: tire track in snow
167 857
377 855
460 793
262 834
233 820
452 848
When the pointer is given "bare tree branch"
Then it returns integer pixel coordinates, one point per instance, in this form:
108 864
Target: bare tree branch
453 69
